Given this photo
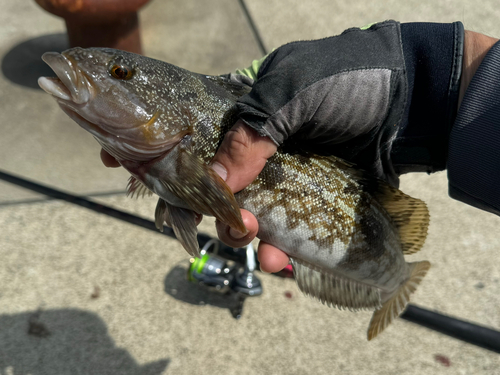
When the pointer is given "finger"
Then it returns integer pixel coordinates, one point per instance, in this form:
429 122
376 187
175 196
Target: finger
242 156
271 258
108 160
235 239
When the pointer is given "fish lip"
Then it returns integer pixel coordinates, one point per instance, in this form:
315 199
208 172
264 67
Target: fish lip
54 87
70 85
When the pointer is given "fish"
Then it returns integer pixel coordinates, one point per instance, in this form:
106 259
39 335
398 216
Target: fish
346 232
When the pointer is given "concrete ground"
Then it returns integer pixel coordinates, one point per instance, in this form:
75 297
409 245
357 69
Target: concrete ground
84 293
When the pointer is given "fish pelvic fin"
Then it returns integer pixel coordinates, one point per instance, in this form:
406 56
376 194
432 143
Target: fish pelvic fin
392 308
204 191
410 216
335 290
161 215
182 221
136 188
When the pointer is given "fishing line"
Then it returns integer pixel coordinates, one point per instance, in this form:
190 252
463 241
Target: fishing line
255 31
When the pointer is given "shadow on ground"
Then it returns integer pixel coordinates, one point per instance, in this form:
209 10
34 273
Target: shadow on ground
23 63
65 341
177 285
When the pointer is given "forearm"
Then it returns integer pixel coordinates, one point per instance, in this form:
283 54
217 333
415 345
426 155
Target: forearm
476 46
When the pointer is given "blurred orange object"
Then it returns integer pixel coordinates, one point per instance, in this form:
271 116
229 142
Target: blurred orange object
99 23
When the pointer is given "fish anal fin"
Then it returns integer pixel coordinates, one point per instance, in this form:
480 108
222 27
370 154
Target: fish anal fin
183 222
335 290
410 216
393 307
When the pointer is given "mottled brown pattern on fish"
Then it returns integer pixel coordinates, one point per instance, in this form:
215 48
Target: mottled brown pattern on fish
310 189
351 188
374 232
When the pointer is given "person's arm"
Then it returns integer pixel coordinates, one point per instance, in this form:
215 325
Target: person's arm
474 152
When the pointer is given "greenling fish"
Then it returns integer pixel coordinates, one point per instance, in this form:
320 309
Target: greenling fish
345 232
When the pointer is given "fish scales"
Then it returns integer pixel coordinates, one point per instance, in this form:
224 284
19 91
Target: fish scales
346 232
326 215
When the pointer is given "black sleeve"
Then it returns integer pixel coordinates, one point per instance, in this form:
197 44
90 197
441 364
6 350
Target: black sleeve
474 148
433 58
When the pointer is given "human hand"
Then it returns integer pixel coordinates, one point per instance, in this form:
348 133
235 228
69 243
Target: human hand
240 158
342 95
303 96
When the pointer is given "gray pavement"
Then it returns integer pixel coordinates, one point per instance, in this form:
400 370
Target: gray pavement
83 293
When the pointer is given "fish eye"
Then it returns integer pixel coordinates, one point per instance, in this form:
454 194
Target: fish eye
121 72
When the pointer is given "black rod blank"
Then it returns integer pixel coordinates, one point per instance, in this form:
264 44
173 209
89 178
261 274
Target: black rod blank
469 332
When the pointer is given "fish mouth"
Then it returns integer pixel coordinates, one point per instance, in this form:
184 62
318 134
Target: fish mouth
74 91
70 85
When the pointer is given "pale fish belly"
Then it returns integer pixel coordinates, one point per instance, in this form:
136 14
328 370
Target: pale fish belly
320 215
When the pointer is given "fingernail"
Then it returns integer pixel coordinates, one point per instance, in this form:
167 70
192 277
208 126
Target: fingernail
261 270
220 170
236 234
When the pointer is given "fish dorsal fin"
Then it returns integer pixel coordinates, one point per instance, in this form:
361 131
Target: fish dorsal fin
137 188
397 303
334 290
410 216
235 85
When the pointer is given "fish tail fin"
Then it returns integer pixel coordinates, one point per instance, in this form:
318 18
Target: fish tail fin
392 308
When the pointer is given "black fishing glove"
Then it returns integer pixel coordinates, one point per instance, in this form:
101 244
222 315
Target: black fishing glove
382 97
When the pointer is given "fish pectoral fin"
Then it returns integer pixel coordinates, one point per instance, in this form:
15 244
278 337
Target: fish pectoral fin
392 308
204 191
137 188
335 290
183 222
410 216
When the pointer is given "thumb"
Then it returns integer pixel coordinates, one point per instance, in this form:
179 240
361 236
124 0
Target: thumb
242 156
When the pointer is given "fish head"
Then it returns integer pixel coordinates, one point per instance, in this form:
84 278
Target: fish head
160 122
130 103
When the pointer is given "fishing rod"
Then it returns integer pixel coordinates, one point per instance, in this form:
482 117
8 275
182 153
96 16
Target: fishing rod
246 285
